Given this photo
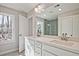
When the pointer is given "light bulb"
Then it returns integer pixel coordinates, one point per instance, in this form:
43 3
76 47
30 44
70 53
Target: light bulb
36 10
59 9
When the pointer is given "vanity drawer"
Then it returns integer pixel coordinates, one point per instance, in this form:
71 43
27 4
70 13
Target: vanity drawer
37 54
38 44
46 53
58 51
37 51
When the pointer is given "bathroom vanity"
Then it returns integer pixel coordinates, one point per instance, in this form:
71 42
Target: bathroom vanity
59 24
48 44
43 46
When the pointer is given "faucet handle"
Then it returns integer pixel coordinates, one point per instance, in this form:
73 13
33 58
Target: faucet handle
62 34
71 35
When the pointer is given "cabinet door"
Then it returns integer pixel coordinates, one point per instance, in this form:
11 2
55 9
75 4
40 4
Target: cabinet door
31 42
45 53
37 51
76 26
38 44
58 51
29 50
67 25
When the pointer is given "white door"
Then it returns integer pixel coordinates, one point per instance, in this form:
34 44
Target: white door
67 25
22 32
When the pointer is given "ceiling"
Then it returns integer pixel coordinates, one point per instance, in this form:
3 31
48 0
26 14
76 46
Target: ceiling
52 11
26 7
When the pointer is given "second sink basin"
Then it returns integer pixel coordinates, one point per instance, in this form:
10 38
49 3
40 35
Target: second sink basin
63 42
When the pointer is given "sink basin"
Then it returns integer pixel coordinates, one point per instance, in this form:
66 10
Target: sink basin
62 42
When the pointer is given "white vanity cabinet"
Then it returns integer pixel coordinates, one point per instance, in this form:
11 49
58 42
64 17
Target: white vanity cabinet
38 49
54 51
32 47
31 43
29 47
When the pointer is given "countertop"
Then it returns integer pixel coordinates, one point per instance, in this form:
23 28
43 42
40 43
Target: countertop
53 42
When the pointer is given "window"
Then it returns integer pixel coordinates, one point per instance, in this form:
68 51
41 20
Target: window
5 27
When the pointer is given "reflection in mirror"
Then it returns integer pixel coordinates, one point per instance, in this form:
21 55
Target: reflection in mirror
50 27
47 27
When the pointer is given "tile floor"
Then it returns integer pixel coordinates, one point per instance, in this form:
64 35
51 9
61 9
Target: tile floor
15 53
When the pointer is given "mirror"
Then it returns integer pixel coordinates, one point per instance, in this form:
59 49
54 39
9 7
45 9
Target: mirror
47 27
58 19
47 22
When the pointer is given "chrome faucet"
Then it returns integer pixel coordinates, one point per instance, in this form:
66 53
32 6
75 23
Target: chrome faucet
64 37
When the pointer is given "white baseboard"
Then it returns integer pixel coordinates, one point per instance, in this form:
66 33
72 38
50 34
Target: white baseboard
8 51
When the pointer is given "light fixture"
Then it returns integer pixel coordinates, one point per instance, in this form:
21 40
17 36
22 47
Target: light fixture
59 9
36 10
39 9
38 23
